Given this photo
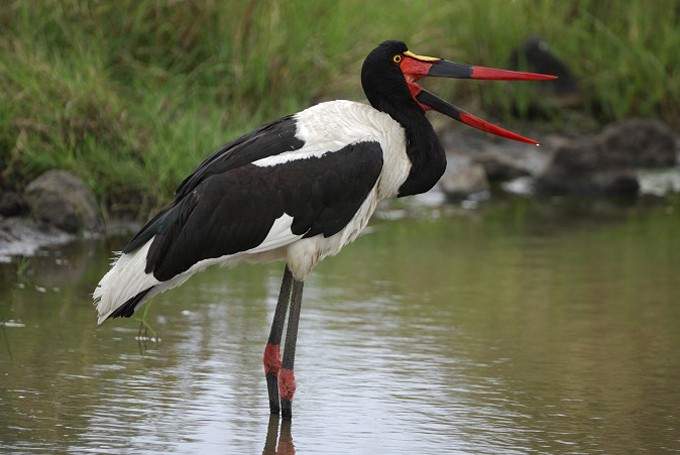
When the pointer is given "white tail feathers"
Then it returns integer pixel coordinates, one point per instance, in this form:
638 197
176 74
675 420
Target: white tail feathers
125 280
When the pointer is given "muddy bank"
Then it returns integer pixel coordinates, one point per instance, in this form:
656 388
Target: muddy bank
55 208
23 236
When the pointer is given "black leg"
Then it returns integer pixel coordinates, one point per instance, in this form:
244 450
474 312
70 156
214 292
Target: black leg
287 377
272 353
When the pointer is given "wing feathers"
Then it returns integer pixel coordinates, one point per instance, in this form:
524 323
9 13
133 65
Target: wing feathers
271 139
254 209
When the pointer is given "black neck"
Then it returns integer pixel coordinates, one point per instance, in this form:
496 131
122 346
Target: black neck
426 153
387 91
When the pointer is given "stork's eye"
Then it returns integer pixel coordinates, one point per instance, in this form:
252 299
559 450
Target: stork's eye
396 58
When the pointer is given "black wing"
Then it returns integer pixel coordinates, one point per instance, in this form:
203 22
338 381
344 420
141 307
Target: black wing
270 139
229 209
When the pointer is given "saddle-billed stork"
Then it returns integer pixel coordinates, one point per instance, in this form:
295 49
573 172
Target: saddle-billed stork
298 189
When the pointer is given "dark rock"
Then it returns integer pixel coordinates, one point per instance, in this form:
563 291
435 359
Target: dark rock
500 170
462 182
12 204
61 199
577 157
580 167
623 183
638 143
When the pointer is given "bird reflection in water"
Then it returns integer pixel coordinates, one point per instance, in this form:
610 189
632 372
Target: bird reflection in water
278 443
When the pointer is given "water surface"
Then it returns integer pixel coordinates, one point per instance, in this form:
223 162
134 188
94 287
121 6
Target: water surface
518 327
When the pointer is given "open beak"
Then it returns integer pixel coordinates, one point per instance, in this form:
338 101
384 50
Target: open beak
415 67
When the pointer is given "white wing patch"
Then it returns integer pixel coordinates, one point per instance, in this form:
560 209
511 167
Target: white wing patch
279 235
329 127
315 150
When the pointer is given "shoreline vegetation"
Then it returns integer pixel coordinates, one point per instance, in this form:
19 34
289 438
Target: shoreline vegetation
130 96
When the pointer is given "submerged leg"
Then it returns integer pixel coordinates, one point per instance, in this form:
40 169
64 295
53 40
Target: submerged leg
287 377
272 353
272 435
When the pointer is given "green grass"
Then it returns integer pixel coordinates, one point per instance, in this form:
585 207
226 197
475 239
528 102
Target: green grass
131 95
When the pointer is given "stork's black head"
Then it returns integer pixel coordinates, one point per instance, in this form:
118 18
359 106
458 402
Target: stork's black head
390 73
383 81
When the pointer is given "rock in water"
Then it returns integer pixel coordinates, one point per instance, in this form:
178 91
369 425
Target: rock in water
460 183
61 199
581 167
638 142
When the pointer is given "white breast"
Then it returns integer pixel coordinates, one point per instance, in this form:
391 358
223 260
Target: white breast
330 126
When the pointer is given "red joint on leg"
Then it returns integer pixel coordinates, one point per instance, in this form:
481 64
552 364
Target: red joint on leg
287 384
272 359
